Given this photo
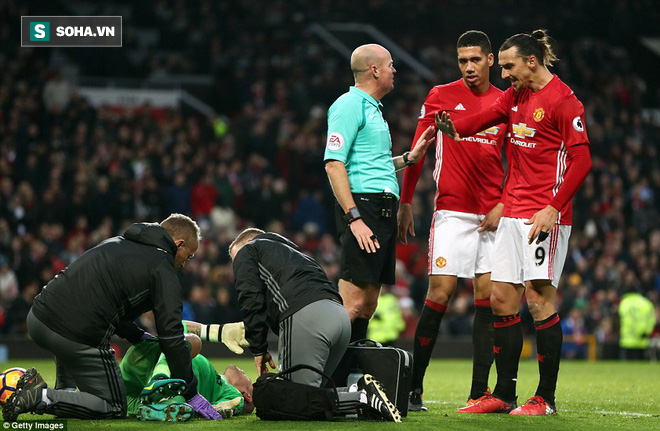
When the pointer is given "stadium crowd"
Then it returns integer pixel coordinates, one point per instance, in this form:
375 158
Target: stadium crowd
72 174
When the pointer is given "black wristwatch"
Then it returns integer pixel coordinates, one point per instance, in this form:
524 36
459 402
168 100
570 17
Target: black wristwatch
405 159
352 215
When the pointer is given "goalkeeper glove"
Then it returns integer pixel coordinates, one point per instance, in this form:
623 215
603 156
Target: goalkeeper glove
226 408
233 336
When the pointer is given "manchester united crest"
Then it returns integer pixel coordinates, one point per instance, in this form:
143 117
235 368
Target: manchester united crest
538 114
441 262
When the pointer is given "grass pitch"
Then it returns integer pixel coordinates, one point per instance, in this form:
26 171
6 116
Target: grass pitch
600 395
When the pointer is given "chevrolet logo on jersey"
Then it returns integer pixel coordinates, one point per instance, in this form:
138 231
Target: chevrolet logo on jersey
492 131
522 131
485 140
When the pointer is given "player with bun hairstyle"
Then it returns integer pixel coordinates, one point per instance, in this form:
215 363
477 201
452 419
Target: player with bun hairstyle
537 44
548 154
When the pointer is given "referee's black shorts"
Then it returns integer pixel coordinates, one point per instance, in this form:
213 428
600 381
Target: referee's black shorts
357 265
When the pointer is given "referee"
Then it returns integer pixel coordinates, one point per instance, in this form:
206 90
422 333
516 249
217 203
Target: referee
361 169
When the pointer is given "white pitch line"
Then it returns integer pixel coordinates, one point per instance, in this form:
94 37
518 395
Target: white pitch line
646 415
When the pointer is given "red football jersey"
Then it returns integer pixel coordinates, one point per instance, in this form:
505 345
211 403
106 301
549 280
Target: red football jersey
544 127
468 175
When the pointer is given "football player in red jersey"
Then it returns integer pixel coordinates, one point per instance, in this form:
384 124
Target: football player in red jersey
548 154
467 211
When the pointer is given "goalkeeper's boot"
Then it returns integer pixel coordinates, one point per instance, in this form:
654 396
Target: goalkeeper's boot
164 412
415 403
536 406
488 404
377 405
27 397
161 389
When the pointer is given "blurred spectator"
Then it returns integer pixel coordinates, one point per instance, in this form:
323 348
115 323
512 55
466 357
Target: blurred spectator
8 283
227 310
204 195
203 304
178 195
57 93
573 326
387 322
637 316
310 210
19 309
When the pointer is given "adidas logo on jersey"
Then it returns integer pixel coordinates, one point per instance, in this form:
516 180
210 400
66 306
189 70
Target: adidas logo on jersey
460 107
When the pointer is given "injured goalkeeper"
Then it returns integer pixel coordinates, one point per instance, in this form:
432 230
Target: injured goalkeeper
153 395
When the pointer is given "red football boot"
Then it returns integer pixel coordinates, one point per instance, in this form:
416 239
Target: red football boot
471 401
488 404
535 406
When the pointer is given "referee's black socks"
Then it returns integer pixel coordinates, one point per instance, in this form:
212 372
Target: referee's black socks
359 329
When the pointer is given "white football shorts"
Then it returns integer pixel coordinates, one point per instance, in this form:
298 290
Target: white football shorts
517 261
455 246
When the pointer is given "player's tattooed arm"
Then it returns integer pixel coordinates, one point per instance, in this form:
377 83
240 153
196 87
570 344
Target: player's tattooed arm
193 328
205 332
